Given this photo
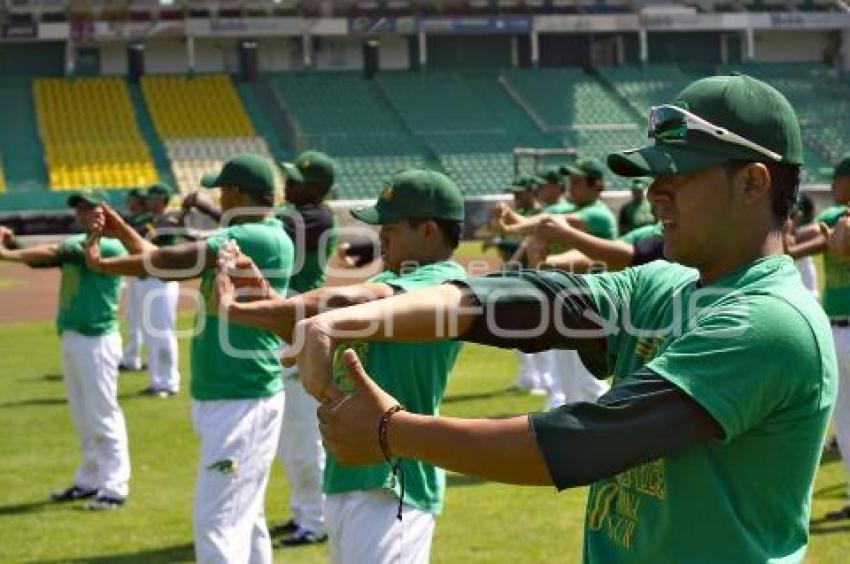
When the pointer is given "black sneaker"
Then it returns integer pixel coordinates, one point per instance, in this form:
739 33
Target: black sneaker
127 368
72 494
284 528
158 393
104 503
301 537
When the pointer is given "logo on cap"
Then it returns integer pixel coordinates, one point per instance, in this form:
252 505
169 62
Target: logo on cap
387 192
304 163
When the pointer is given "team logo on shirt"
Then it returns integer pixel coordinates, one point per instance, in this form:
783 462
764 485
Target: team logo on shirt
647 349
225 466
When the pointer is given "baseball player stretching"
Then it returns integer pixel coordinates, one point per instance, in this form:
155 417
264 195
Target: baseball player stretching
420 213
310 225
131 359
236 384
836 303
91 348
159 302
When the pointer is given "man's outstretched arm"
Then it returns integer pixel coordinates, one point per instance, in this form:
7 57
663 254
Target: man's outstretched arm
36 256
280 314
641 419
506 311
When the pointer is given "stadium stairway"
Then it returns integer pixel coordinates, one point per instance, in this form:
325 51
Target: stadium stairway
261 120
345 115
202 122
146 126
21 150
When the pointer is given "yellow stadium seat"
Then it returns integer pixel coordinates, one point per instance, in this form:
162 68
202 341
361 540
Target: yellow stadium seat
88 127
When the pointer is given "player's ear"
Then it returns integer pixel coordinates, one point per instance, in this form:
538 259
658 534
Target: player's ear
753 181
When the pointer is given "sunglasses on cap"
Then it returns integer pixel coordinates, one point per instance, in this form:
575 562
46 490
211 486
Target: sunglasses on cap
671 124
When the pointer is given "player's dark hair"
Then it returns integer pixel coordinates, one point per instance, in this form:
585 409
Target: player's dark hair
451 230
262 200
784 186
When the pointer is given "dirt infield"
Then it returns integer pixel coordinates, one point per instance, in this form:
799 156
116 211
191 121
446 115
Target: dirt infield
28 294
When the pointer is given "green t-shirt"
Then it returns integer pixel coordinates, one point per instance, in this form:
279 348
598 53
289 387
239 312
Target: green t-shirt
312 272
416 375
139 222
561 207
88 301
636 214
756 352
599 219
234 361
641 233
836 292
308 226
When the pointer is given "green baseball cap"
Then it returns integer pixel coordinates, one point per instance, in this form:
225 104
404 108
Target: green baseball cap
135 193
843 167
160 189
551 176
415 193
587 167
313 167
521 184
725 118
91 197
249 171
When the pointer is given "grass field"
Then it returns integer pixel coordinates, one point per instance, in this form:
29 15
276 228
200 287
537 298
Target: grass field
483 522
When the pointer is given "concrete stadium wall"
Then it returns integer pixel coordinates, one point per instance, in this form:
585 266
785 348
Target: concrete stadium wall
169 56
790 46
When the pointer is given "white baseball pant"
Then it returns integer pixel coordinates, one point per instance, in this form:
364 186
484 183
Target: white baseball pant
363 527
303 457
238 442
132 356
841 412
159 310
530 376
90 370
809 274
571 381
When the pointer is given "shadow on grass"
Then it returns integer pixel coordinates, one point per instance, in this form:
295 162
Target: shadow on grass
34 401
829 457
506 392
178 553
62 401
835 491
822 529
459 480
21 508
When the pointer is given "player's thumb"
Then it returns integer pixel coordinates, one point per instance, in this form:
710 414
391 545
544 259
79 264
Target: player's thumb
356 372
825 231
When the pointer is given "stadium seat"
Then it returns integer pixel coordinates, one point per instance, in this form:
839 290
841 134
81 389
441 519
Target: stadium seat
202 123
90 135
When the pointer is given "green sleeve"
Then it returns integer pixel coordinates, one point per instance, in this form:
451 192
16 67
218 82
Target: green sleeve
600 221
112 248
425 276
641 233
830 215
333 239
744 361
71 250
215 241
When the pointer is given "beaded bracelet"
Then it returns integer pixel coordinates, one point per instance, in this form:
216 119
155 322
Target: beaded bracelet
397 470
